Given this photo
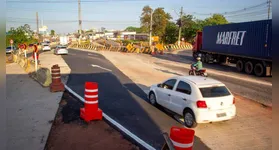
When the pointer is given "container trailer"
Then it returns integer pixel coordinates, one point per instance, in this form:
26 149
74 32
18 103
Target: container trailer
246 44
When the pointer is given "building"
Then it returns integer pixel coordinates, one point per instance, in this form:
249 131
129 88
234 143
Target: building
127 35
43 30
142 36
109 35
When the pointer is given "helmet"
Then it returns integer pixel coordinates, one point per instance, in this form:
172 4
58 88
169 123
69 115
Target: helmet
198 58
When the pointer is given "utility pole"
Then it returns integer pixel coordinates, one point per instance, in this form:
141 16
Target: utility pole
37 19
79 20
150 31
268 13
179 34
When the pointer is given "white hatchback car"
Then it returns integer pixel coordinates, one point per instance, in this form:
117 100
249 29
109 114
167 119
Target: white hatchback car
61 50
198 99
46 48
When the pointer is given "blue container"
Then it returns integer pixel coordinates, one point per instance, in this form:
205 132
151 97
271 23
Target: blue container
248 39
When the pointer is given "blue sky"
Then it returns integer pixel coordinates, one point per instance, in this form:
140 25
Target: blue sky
112 14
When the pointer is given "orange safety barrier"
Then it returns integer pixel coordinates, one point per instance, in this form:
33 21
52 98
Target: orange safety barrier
182 138
56 84
91 110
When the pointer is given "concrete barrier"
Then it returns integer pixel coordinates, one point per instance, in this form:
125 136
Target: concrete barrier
42 76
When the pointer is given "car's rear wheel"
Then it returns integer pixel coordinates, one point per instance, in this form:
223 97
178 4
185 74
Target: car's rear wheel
152 99
189 119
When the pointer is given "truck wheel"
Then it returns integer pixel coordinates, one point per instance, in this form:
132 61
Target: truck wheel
195 55
207 58
239 65
259 69
249 67
203 58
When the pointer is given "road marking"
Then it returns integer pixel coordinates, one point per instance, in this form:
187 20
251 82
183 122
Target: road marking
101 67
119 126
90 54
72 54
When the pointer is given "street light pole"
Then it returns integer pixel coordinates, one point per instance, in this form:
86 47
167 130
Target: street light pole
79 20
268 13
179 34
150 31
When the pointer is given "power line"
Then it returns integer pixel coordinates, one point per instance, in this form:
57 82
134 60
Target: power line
235 11
83 1
249 14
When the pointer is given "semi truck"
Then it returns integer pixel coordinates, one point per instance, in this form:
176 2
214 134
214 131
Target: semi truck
246 44
63 40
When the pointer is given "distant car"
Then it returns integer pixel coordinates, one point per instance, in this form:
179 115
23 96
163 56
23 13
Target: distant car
198 99
60 50
10 49
46 48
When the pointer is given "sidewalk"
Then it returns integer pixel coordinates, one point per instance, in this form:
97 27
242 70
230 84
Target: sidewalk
30 109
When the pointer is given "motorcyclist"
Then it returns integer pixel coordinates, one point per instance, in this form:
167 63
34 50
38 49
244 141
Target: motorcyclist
198 65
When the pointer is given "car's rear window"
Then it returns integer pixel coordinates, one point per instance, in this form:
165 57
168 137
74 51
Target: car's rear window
216 91
9 47
45 45
63 47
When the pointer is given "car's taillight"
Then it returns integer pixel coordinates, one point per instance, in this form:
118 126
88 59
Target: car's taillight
233 100
201 104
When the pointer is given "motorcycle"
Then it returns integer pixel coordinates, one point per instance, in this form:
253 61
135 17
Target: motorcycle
201 72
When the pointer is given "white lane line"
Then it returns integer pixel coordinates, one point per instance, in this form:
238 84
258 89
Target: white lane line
89 54
119 126
101 67
72 54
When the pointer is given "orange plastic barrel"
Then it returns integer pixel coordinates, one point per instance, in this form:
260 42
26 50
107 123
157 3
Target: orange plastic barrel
91 96
182 138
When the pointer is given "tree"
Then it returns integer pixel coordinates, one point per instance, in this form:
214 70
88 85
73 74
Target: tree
188 27
215 19
171 33
133 29
160 21
52 32
116 34
22 34
145 19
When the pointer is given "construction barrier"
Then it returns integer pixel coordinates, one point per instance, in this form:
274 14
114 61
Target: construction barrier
91 110
182 138
56 85
133 48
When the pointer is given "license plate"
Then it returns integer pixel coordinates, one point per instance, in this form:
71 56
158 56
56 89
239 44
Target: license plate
221 115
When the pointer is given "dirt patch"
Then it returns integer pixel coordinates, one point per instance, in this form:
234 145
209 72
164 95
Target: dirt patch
70 132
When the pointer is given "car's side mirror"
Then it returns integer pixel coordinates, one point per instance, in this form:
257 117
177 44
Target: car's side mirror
159 85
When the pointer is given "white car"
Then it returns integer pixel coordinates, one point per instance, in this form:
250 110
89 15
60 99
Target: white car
61 50
10 49
198 99
46 48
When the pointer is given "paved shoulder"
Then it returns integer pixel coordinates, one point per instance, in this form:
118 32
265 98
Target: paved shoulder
30 108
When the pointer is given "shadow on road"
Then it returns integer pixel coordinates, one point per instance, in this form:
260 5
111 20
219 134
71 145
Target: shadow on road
121 99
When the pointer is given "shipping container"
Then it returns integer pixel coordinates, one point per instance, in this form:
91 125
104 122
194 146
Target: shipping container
246 44
248 39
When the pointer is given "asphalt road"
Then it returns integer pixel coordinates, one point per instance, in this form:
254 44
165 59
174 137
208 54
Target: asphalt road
120 98
252 90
